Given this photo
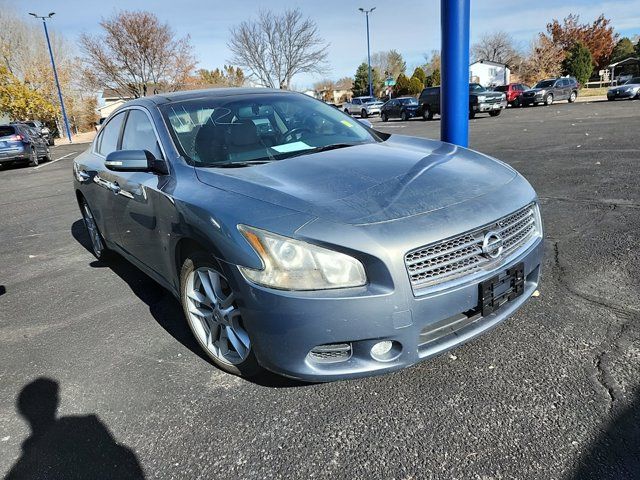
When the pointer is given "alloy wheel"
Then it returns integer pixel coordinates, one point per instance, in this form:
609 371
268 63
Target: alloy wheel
214 318
94 234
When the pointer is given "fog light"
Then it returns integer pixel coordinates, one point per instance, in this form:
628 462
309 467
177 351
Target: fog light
380 349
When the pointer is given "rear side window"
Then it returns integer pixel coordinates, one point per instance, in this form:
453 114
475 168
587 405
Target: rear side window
6 131
139 134
108 141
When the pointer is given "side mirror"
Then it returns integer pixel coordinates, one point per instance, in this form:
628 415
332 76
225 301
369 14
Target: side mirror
365 122
134 161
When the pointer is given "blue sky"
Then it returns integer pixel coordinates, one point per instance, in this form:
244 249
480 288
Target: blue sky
411 27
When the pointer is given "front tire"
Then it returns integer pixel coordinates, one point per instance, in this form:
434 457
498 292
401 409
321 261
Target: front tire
363 113
209 304
495 113
384 117
404 117
427 114
346 110
548 100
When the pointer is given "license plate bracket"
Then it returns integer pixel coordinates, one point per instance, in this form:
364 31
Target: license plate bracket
500 289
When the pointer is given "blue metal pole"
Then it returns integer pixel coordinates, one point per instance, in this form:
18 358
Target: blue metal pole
55 75
369 57
454 91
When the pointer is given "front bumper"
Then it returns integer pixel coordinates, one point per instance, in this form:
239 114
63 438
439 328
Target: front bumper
373 110
531 100
286 326
621 95
490 107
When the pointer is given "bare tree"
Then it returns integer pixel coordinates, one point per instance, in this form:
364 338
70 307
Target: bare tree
497 47
275 48
389 63
136 55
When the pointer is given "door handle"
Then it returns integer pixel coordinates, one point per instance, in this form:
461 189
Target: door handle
83 176
115 188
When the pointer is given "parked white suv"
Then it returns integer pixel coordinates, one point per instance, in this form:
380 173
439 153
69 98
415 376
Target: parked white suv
363 106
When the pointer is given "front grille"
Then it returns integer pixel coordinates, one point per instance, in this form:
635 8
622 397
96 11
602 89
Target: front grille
462 255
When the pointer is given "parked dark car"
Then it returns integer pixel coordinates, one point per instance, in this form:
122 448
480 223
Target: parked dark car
548 91
403 108
481 100
630 89
302 241
513 92
40 128
21 143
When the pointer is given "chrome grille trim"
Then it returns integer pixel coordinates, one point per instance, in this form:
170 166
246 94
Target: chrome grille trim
462 255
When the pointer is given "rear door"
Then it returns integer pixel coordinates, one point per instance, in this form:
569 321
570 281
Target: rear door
136 205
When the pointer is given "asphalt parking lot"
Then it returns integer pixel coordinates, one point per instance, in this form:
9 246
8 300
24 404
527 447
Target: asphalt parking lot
553 393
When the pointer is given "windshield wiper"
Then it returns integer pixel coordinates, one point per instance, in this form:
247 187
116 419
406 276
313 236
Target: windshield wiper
238 164
324 148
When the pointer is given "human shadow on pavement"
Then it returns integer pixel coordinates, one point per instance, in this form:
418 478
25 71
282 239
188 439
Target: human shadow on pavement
164 307
615 453
73 447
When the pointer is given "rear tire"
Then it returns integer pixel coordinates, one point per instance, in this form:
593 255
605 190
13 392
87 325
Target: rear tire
47 156
472 114
98 245
572 97
33 158
210 308
427 114
516 102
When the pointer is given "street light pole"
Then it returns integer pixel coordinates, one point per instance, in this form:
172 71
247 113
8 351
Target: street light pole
366 13
55 72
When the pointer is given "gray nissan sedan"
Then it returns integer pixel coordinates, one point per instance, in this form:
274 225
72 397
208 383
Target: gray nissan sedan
302 241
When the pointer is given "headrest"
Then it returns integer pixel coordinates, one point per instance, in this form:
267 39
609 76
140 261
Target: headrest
243 133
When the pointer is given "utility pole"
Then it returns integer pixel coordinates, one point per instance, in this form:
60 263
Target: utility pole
55 72
454 91
366 13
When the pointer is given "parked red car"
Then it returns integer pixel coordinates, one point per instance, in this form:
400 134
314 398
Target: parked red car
513 91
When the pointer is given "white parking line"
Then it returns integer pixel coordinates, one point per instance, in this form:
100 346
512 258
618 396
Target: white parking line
54 161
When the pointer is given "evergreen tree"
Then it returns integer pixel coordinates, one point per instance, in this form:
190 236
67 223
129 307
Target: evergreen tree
415 86
402 85
420 75
361 81
578 63
623 49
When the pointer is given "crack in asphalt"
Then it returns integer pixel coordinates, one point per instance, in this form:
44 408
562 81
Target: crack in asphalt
612 340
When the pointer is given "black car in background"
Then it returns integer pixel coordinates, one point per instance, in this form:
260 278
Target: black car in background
403 108
481 100
22 143
551 90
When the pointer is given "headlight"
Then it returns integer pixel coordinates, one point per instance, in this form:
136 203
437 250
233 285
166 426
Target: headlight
504 97
481 98
295 265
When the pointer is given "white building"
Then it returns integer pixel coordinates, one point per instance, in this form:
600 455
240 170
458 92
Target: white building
111 100
489 74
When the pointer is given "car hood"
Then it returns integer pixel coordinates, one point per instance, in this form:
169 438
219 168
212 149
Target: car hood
374 104
536 90
371 183
488 94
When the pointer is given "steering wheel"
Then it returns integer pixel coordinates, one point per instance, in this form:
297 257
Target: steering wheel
289 135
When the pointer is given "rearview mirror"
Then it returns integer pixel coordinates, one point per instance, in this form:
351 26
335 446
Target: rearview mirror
134 161
365 122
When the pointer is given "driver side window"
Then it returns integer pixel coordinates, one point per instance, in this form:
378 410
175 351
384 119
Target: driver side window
139 134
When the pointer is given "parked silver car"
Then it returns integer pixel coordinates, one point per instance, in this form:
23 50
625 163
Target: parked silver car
631 89
363 106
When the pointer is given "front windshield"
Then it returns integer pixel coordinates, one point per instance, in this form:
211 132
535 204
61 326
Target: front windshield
545 84
475 87
258 127
408 101
367 99
632 81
